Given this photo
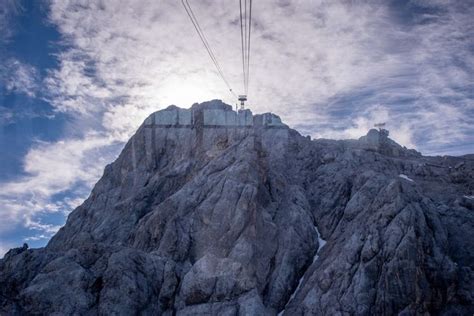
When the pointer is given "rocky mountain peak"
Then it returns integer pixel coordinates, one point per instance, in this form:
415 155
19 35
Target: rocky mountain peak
211 114
209 211
378 140
212 105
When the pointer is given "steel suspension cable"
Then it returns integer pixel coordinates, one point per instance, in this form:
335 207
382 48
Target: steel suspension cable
242 40
203 38
248 47
245 31
245 47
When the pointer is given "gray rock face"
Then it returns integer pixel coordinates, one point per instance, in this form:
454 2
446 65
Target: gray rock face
211 212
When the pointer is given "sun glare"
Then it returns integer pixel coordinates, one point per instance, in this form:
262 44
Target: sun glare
183 92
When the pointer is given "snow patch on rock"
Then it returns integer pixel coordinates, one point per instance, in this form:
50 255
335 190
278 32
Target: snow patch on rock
403 176
321 243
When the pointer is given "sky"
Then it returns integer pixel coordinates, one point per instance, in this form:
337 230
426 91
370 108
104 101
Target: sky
77 78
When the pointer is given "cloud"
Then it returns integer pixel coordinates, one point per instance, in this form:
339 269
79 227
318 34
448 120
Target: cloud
18 77
329 68
142 56
365 121
8 10
6 115
53 168
4 247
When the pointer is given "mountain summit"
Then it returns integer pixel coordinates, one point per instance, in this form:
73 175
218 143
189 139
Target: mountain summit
208 211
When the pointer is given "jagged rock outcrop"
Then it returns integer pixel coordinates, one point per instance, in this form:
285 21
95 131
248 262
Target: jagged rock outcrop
211 212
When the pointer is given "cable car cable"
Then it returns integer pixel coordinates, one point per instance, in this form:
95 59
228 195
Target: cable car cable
248 46
245 31
201 34
206 44
243 45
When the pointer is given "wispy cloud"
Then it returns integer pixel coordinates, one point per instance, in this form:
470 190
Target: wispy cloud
53 168
306 55
8 10
330 68
18 77
4 247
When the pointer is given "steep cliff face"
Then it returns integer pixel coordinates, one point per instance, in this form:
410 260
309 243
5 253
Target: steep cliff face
208 211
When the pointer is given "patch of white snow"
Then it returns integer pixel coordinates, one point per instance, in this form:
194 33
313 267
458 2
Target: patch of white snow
403 176
321 243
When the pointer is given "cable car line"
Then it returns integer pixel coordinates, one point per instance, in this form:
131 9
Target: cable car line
243 45
248 47
245 31
206 43
201 34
